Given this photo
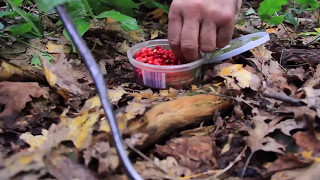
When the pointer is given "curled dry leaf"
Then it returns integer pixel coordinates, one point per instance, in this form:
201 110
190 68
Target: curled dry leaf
54 48
21 162
11 72
191 152
237 77
62 167
15 95
34 141
258 139
160 169
116 94
65 77
106 155
308 173
287 162
307 141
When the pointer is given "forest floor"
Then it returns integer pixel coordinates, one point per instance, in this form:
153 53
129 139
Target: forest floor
253 116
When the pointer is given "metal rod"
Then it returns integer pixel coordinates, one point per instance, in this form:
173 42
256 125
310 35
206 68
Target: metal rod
101 87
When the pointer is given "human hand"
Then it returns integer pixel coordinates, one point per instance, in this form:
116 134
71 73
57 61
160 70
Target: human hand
200 25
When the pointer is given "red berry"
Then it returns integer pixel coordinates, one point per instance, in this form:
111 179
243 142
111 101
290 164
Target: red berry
137 54
150 62
150 53
150 58
144 59
164 56
144 55
144 50
139 58
158 47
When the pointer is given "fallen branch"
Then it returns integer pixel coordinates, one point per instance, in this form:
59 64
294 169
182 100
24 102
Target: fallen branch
172 115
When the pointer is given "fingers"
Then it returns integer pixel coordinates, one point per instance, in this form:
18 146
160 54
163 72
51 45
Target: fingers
224 36
225 30
190 38
208 36
174 32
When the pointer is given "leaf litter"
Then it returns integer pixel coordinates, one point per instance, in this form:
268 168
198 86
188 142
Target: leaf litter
254 116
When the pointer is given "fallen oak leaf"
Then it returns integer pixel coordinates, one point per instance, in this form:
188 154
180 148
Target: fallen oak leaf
287 162
62 167
15 95
191 152
106 155
236 75
66 77
34 141
116 94
258 139
161 169
308 173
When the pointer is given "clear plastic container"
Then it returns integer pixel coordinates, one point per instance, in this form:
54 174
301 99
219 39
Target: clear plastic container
162 77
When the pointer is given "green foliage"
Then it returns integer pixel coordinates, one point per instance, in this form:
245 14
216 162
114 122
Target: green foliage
311 3
35 61
267 11
81 11
127 23
271 11
29 18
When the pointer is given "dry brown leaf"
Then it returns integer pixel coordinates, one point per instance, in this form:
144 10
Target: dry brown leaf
191 152
123 48
15 95
154 34
238 77
62 167
160 169
106 155
21 162
54 48
287 162
11 72
157 13
308 173
258 139
307 141
65 77
116 94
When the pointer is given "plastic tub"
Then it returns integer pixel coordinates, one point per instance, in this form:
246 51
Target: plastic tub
162 77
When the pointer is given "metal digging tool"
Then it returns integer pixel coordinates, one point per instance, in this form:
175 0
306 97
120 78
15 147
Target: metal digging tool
101 87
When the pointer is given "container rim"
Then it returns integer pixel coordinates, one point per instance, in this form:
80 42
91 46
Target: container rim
152 67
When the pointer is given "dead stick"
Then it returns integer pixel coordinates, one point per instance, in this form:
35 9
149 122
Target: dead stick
288 99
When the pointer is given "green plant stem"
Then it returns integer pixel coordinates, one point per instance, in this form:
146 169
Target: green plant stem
25 17
87 6
30 45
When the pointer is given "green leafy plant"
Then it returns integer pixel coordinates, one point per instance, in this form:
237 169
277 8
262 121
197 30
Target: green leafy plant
273 13
81 12
29 27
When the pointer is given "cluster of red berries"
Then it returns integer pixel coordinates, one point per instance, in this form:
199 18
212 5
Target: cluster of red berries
156 56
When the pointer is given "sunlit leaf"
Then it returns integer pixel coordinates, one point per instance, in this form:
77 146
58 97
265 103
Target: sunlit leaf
128 23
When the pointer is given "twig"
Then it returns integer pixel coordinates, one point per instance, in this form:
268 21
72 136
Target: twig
288 99
219 173
144 156
246 164
284 98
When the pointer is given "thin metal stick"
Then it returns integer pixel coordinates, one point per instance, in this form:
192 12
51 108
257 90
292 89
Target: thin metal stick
101 87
